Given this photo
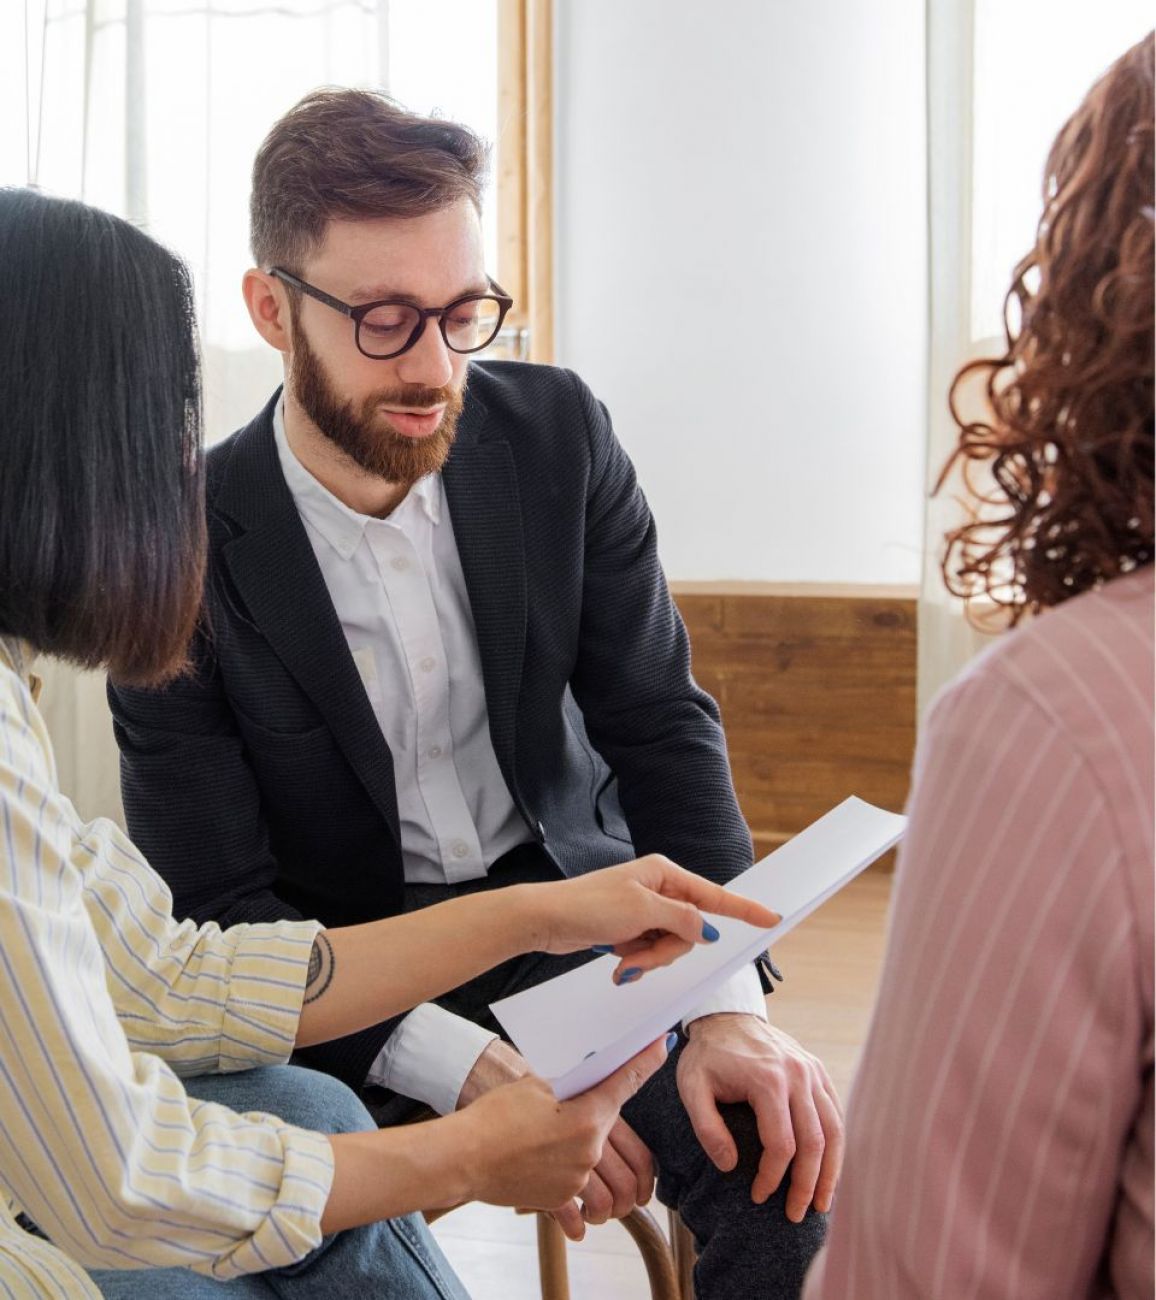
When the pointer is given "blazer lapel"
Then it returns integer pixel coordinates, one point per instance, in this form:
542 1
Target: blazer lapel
274 569
482 491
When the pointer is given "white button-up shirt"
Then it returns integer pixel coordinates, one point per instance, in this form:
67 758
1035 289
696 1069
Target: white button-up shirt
400 595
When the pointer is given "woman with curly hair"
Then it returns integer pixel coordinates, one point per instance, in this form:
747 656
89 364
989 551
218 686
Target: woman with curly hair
1000 1136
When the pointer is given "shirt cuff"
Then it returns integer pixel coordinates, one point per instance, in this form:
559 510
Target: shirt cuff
262 1013
742 993
429 1057
292 1226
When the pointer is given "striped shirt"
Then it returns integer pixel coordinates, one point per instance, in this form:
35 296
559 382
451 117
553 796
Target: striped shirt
1000 1130
105 1001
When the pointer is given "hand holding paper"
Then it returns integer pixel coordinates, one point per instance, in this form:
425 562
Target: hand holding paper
648 912
577 1028
526 1150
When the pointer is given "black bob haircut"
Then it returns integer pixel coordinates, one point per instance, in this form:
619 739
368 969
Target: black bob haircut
102 528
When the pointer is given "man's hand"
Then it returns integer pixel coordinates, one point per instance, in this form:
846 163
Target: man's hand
498 1064
739 1058
623 1177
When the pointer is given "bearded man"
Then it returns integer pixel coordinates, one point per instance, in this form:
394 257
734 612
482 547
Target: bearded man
439 655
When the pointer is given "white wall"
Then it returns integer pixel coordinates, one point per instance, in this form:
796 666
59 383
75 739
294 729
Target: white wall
742 272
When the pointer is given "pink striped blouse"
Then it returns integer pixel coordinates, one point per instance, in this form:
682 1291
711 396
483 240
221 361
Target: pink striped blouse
1000 1130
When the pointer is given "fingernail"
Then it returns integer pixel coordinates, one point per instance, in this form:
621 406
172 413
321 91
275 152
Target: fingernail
671 1041
603 947
709 933
630 974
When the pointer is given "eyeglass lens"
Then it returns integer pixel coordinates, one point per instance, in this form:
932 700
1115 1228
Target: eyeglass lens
470 325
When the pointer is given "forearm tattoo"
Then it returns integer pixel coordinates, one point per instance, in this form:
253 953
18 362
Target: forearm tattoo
322 964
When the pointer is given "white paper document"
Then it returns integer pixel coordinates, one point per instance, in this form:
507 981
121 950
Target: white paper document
576 1029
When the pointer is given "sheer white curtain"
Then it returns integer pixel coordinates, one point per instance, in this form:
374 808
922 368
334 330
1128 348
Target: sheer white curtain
154 109
1003 76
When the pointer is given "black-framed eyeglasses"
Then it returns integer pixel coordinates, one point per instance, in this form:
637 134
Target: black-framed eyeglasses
387 329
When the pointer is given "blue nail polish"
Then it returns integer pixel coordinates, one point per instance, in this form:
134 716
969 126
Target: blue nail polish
602 947
709 933
671 1041
630 974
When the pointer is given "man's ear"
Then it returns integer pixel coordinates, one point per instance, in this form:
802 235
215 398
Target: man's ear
268 302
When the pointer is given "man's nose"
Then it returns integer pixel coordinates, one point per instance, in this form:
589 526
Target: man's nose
429 362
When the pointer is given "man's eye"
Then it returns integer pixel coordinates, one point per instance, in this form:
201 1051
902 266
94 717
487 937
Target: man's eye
386 321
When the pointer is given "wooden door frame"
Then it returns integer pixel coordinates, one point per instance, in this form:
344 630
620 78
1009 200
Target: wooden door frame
525 173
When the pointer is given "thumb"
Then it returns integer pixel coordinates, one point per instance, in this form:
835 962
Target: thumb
617 1089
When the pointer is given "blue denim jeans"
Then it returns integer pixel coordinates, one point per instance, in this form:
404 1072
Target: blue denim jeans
397 1258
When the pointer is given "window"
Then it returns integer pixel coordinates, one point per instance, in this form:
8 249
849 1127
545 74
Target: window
1034 61
155 108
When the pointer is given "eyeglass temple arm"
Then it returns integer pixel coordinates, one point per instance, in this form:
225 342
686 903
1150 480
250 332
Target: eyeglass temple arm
319 294
345 308
497 288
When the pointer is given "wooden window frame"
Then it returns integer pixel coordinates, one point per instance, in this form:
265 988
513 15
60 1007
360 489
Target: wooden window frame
525 175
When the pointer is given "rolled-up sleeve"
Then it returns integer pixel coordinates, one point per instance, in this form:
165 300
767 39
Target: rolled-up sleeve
205 999
99 1142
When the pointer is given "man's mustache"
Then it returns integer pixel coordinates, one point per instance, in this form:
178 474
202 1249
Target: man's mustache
416 396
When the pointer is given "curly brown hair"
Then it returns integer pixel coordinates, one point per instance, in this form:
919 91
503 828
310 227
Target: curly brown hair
1068 437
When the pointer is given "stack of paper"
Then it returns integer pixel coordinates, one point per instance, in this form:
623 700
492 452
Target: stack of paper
578 1028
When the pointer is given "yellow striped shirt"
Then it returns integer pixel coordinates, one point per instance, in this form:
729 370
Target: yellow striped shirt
105 1000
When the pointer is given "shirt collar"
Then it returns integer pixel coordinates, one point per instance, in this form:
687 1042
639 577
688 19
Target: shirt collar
342 527
20 656
427 492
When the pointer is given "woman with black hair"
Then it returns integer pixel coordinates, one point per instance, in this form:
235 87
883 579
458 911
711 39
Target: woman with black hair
107 1160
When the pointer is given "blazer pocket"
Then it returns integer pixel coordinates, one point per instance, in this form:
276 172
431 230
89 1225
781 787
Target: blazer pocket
608 810
313 743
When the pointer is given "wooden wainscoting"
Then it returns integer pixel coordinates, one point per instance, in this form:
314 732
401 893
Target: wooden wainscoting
817 689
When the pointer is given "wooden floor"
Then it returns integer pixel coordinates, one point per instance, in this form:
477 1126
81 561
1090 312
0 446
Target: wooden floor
831 963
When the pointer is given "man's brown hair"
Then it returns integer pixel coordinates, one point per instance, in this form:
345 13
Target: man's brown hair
354 154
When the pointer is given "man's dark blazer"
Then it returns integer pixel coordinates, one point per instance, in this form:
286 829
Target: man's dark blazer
260 785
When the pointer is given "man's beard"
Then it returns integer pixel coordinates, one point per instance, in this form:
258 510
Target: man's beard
364 435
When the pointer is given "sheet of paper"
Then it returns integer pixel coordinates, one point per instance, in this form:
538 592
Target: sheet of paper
576 1029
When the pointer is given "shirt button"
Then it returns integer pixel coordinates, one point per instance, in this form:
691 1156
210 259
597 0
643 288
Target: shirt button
428 664
400 563
460 849
434 751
